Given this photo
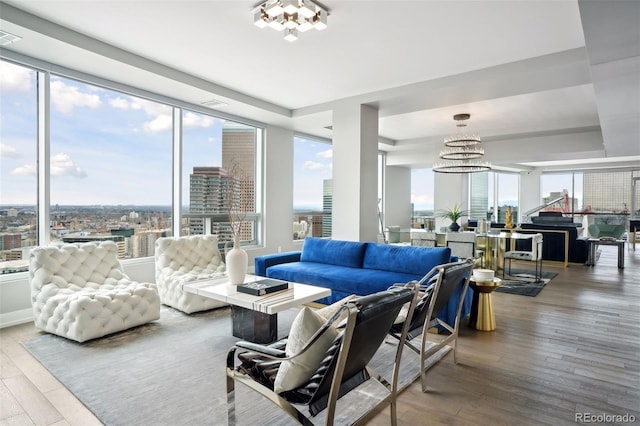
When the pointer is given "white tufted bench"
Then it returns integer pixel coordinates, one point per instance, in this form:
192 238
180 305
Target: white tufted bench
80 291
184 259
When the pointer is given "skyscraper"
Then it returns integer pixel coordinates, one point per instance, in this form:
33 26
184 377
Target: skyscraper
215 190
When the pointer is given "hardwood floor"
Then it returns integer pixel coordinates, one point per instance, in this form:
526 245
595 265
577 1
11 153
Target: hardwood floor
573 349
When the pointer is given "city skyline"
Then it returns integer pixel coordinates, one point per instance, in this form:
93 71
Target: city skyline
107 146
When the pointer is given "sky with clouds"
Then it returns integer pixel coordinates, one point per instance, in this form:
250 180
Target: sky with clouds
111 148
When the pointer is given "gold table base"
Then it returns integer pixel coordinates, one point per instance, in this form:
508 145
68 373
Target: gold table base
482 316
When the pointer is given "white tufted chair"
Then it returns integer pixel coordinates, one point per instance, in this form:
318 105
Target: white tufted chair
184 259
80 291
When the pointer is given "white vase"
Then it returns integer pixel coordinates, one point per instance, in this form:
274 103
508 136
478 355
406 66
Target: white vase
237 262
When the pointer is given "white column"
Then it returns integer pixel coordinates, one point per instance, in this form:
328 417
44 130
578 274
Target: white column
355 173
530 193
278 189
397 196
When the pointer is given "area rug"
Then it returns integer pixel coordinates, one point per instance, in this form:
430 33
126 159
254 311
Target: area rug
524 283
172 372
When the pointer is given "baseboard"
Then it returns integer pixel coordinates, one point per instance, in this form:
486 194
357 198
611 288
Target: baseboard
16 317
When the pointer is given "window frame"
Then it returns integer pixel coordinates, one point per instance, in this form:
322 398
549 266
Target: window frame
44 71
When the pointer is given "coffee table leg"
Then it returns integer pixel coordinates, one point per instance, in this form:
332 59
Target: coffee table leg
254 326
621 255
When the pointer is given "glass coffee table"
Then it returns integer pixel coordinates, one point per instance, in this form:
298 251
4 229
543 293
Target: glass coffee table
255 318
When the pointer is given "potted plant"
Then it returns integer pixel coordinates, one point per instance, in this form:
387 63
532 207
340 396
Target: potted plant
453 215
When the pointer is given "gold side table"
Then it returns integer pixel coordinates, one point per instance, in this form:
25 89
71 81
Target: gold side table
482 316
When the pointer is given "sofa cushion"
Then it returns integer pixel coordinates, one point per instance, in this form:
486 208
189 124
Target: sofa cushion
343 281
333 252
409 260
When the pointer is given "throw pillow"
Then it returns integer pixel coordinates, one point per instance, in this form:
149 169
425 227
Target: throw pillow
297 371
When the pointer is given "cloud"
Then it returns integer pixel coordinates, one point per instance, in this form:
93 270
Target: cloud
314 165
192 120
120 103
421 199
327 154
7 151
159 124
14 77
162 120
26 170
65 98
63 165
212 139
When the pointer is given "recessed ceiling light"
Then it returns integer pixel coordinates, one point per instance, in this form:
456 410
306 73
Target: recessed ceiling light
8 38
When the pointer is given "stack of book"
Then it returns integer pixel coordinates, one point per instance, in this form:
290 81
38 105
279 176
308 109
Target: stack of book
263 286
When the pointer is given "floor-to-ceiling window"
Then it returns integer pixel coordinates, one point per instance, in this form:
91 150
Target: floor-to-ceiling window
110 167
492 194
562 192
110 174
422 196
218 155
18 170
591 196
312 188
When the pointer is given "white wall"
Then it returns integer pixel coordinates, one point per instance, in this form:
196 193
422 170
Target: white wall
529 192
397 197
450 189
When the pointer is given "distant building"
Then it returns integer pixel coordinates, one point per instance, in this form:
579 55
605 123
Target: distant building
10 241
208 194
327 207
80 238
209 187
143 244
607 192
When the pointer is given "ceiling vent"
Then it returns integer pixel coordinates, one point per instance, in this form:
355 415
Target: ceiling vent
8 38
214 103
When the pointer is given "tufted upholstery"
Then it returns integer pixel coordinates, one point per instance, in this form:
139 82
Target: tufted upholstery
80 291
184 259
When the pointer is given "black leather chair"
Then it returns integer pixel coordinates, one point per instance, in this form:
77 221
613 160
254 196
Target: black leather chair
343 368
435 290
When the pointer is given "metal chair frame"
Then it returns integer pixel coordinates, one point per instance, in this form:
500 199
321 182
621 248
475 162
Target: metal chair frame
339 358
435 289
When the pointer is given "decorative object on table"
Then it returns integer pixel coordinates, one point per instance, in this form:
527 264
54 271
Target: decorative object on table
462 152
454 214
483 274
263 286
237 262
508 220
236 259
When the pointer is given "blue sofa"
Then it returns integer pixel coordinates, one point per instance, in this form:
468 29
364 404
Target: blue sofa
349 267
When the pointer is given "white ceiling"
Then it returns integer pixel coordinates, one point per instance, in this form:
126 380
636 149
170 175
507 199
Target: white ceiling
535 90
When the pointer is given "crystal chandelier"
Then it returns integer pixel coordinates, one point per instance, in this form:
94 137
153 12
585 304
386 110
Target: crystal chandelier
462 152
290 16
